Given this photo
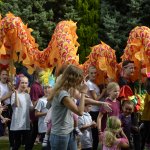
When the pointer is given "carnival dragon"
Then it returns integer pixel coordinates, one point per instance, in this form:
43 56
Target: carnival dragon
18 45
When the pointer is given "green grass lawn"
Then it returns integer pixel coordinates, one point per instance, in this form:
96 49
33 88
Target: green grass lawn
4 145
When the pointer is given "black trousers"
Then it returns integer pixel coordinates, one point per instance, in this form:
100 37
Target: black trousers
136 134
34 133
145 134
18 135
94 116
42 135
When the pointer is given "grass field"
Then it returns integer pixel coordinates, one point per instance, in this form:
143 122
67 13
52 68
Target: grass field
4 145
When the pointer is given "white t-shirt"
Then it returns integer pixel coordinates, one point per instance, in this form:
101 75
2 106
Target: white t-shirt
93 87
86 138
41 107
3 91
20 117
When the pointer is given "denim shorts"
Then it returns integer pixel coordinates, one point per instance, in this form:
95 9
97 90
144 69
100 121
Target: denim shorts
63 142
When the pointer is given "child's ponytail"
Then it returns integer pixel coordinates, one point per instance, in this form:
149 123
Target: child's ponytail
113 126
109 138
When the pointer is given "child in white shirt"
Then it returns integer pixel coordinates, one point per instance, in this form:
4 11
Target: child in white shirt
85 124
20 123
41 111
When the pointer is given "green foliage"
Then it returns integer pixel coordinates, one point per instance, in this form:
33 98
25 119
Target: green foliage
64 9
107 20
71 12
88 26
35 14
118 18
145 13
42 15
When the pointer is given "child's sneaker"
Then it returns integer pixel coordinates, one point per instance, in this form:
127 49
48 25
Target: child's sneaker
45 141
77 131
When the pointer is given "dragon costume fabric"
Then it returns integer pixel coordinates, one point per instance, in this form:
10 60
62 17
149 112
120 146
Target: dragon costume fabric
18 45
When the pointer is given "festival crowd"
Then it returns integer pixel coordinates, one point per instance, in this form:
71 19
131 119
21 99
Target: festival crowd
74 112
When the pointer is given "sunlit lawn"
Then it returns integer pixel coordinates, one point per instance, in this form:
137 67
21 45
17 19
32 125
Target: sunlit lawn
4 145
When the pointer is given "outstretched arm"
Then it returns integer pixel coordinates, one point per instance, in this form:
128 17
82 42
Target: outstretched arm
98 103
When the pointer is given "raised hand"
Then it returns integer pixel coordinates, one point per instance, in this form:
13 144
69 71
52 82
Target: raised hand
107 106
83 88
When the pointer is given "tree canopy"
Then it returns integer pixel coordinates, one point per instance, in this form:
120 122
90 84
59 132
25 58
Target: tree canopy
107 20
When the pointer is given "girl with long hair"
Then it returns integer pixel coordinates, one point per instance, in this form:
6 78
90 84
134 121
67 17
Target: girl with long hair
63 107
113 138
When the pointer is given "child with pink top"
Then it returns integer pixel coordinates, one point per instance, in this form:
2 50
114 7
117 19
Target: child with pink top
109 138
113 91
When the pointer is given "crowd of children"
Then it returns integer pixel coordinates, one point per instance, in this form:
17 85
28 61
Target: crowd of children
74 107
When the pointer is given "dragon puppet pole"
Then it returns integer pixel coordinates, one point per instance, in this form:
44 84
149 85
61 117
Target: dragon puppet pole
11 70
141 59
140 77
11 66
